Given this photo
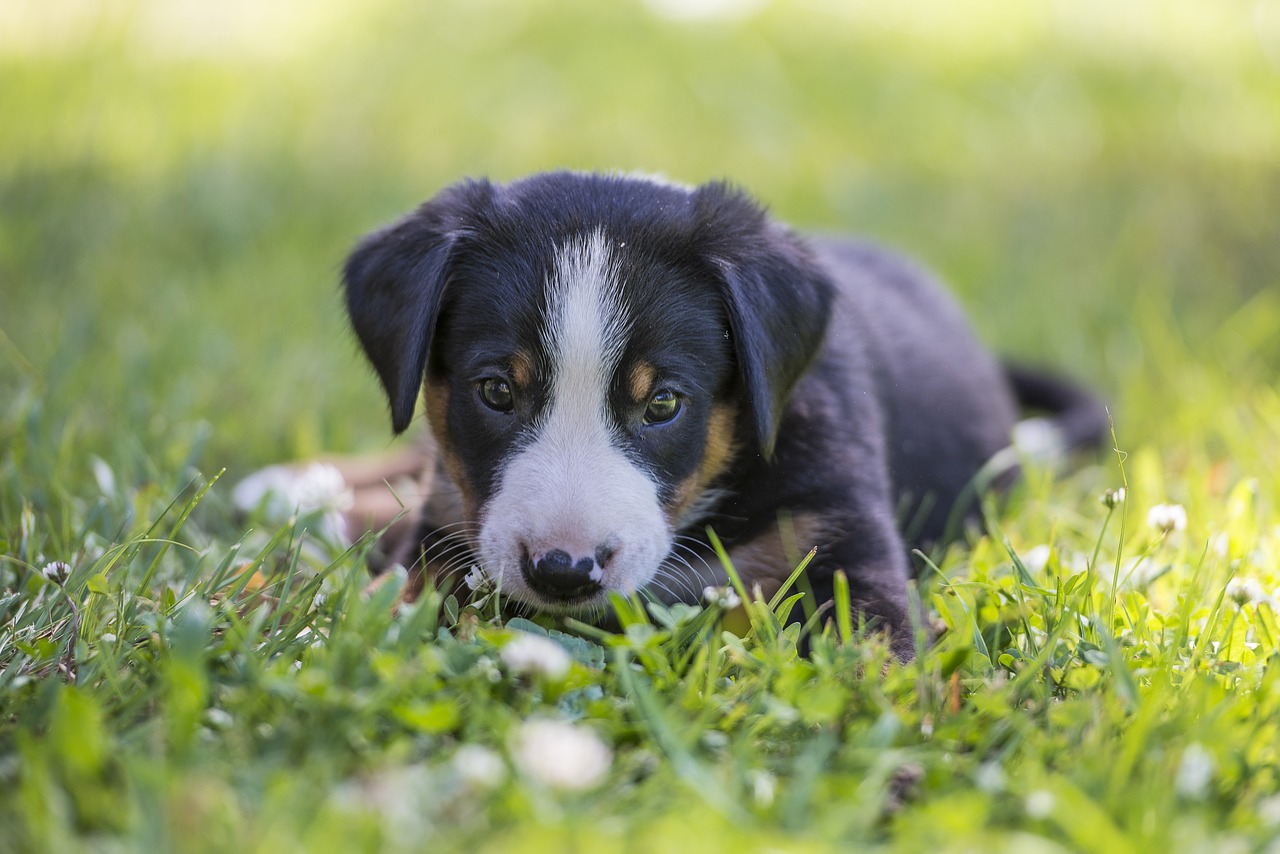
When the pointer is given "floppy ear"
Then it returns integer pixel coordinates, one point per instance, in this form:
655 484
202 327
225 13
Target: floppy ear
395 282
777 298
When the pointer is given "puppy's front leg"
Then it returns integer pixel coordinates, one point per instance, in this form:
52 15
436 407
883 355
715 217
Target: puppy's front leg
877 598
871 555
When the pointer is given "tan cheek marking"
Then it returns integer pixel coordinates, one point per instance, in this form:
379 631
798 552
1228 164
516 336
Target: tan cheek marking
641 381
441 503
685 493
769 558
720 430
444 507
437 409
522 368
437 394
715 460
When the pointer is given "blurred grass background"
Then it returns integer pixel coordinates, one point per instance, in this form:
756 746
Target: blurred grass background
179 182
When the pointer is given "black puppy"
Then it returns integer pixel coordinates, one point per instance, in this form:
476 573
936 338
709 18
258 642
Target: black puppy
613 364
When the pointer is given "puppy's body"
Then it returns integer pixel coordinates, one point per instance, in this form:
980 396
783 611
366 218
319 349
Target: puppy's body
613 364
883 436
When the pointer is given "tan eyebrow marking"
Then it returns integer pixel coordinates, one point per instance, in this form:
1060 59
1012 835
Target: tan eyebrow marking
522 368
641 382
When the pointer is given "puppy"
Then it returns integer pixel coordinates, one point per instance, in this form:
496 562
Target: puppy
613 365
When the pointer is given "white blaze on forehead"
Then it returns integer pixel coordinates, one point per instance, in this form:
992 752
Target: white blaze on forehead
571 487
587 324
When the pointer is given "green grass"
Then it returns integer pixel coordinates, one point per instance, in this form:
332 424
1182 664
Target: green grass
176 196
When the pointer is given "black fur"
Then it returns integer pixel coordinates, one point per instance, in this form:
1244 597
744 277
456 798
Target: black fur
395 283
869 406
778 300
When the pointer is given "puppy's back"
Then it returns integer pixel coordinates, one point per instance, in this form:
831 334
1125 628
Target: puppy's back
945 403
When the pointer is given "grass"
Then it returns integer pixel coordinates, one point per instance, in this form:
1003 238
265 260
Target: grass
175 197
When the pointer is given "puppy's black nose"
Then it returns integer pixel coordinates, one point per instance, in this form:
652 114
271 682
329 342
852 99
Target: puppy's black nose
557 575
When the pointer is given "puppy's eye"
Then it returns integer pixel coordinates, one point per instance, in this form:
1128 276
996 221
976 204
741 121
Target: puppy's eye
663 406
496 394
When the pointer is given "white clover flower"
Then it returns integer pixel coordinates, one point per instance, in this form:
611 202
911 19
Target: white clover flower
105 477
322 486
1220 544
57 572
397 796
479 767
535 655
1036 558
1269 811
1246 591
1167 518
764 787
715 739
219 719
488 668
561 755
333 527
1195 772
990 777
1114 497
1039 804
724 597
475 579
282 492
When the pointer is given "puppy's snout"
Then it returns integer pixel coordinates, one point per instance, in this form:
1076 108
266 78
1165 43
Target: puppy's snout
556 574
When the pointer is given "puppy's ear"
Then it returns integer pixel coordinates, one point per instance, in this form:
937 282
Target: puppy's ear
395 282
778 299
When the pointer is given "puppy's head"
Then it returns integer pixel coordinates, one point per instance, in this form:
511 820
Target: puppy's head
595 351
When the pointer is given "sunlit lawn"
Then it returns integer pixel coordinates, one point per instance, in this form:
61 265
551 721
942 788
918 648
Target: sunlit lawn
178 186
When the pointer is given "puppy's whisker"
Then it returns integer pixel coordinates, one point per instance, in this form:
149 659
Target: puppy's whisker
465 531
661 581
449 540
692 546
459 530
462 523
453 568
667 573
692 553
445 553
671 596
689 578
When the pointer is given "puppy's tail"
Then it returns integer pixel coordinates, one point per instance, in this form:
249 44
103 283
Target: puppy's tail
1072 418
1068 418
